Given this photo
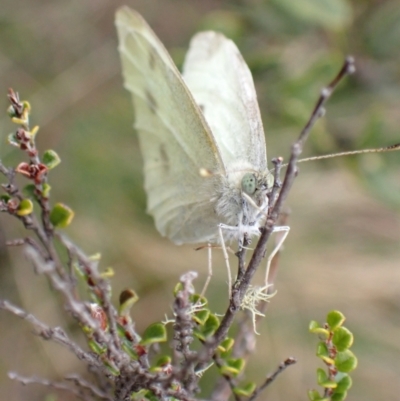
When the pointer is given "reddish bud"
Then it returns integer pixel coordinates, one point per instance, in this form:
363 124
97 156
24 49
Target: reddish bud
98 314
34 172
140 350
12 205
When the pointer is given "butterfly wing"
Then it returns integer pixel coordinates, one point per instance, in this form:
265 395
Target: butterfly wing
222 85
175 140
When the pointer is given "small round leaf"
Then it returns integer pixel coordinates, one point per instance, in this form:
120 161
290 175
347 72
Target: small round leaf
155 333
342 338
25 207
226 345
344 384
315 327
345 361
335 319
61 215
127 299
233 366
51 159
245 390
323 353
338 396
314 395
201 316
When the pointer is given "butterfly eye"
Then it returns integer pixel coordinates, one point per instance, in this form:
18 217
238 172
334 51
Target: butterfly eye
249 183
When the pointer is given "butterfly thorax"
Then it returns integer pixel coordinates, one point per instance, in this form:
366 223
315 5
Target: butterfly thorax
242 200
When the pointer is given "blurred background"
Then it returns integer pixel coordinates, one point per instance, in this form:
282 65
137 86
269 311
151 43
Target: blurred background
343 249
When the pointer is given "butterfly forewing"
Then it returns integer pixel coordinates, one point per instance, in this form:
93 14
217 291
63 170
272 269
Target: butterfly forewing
174 137
223 87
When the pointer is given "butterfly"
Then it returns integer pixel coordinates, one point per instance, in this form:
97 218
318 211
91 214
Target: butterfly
200 134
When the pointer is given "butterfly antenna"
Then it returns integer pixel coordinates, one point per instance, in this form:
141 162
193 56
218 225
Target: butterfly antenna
391 148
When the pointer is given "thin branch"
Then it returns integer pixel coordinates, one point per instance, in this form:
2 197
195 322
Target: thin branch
103 287
48 383
88 387
270 378
55 334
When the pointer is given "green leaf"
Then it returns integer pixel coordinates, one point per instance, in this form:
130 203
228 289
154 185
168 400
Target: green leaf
314 395
12 140
51 159
112 368
338 396
321 376
342 338
127 346
323 353
201 316
96 347
25 207
208 329
30 191
197 299
61 215
345 361
127 299
5 198
46 190
335 319
323 379
245 390
226 345
315 327
210 326
178 287
232 366
344 384
164 360
139 395
155 333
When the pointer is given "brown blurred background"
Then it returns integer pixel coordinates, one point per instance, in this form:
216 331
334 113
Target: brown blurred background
343 250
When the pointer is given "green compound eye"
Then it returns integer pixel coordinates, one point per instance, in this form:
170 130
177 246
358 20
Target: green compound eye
249 183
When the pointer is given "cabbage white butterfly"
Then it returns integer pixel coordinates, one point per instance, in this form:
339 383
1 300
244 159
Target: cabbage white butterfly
200 134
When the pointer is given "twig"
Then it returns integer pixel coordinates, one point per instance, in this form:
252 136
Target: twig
101 285
270 378
55 334
85 385
45 382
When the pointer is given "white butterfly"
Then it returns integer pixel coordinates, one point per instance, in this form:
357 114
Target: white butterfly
207 121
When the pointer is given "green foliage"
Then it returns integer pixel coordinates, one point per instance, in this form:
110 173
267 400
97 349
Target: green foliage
335 319
127 299
245 390
155 333
334 351
61 215
232 366
51 159
208 329
25 207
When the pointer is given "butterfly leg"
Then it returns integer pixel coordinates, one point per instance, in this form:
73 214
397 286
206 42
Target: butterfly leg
285 230
226 257
210 271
